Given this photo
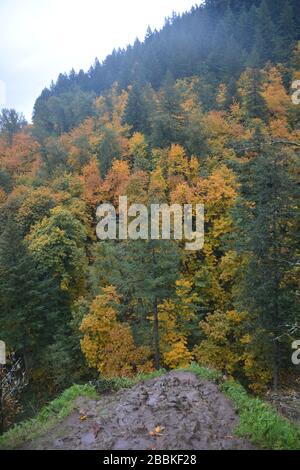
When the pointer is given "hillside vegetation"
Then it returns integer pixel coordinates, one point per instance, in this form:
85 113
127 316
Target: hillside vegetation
200 112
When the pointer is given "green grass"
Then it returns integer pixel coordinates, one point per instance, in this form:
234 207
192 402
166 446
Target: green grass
114 384
46 418
205 373
259 422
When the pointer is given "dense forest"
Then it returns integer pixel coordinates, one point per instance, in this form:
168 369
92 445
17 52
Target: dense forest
201 111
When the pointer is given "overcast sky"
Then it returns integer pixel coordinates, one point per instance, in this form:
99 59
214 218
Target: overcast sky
41 38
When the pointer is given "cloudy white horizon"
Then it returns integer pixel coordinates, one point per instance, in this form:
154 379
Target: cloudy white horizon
41 38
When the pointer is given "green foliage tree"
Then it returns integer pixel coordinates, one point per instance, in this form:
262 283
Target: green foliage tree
264 36
267 219
144 272
136 112
11 122
63 111
253 102
31 303
167 120
108 149
57 243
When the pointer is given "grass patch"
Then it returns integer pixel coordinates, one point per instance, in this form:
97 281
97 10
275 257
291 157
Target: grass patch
46 418
205 373
114 384
259 422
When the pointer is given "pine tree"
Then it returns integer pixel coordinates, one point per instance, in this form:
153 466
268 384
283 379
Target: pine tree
287 32
265 34
245 27
266 218
144 272
253 103
31 304
167 121
136 112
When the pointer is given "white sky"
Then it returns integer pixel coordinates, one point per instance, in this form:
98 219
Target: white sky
41 38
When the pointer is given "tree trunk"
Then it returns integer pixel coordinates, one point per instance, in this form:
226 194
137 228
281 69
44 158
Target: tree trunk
276 367
156 337
1 402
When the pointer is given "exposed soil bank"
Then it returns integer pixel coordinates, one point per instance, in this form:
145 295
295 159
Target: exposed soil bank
175 411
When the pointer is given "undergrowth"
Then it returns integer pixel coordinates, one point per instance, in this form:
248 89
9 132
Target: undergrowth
258 421
46 418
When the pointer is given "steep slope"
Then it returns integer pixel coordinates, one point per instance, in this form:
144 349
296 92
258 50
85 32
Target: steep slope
215 40
194 408
174 411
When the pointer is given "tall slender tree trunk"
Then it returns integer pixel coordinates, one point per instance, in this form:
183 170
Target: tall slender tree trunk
276 367
1 401
276 346
276 277
26 359
156 337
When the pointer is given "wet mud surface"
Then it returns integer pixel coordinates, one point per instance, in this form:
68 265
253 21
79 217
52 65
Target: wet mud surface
172 412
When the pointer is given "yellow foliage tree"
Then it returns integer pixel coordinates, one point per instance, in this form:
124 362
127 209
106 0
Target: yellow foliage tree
157 185
107 344
228 348
275 95
138 151
2 196
178 165
222 95
176 320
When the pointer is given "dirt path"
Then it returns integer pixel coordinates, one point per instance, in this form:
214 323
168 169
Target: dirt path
175 411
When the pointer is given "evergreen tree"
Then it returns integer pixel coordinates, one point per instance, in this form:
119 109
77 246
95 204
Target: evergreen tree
31 304
167 120
144 272
108 149
266 218
136 112
265 34
287 32
245 27
253 102
11 123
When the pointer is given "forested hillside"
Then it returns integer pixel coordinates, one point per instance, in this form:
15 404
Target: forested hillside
201 111
215 41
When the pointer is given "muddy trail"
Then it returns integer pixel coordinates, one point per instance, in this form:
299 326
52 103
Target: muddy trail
175 411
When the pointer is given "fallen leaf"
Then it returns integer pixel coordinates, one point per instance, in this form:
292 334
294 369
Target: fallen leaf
157 431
